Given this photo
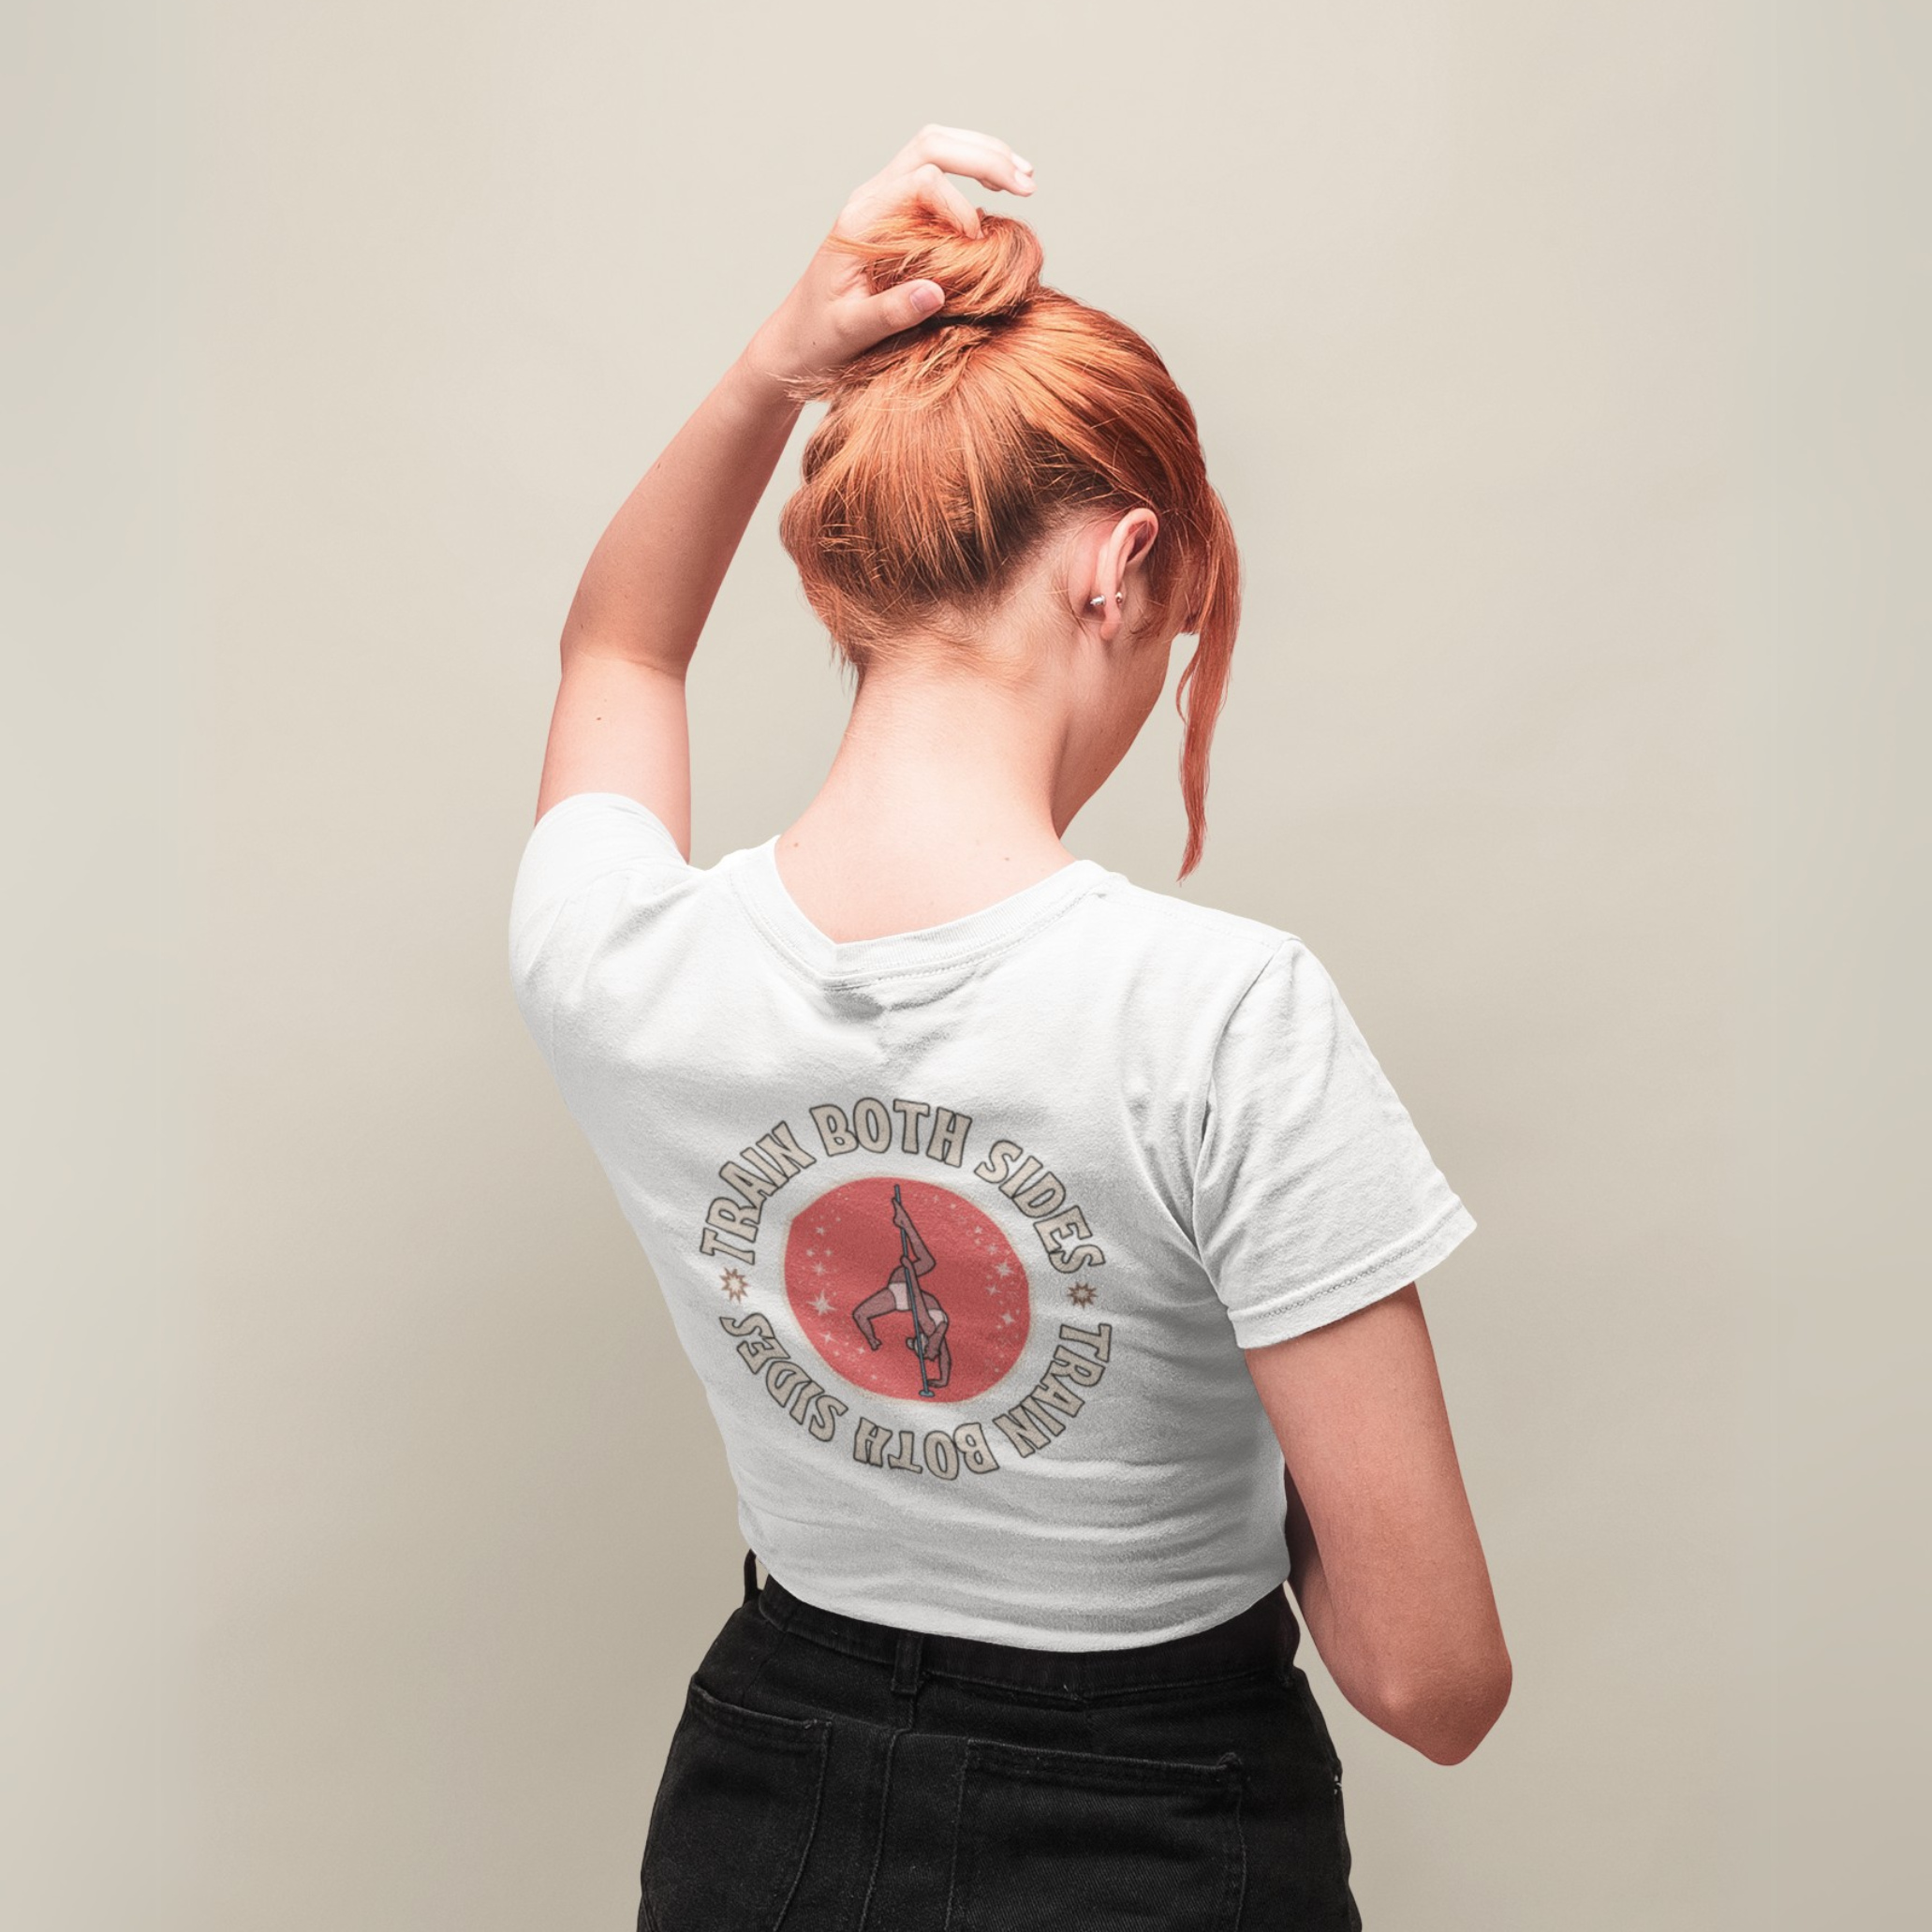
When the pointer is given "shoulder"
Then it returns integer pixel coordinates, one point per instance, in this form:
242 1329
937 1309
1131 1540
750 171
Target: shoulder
586 839
1196 984
591 860
1214 953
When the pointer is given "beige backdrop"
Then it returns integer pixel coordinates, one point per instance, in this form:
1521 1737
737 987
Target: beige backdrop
1559 364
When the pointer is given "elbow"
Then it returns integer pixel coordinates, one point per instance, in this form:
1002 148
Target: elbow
1447 1712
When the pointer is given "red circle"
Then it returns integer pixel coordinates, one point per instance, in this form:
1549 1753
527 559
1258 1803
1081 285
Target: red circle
846 1245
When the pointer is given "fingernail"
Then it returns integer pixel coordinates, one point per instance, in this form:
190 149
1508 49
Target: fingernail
927 297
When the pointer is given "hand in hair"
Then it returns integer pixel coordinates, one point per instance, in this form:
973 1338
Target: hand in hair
834 313
619 724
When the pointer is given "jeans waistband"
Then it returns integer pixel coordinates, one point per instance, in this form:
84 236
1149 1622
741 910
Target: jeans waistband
1264 1637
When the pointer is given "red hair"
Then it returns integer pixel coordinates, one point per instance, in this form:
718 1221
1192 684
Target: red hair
950 450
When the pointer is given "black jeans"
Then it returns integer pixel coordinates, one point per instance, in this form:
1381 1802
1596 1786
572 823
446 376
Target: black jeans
831 1775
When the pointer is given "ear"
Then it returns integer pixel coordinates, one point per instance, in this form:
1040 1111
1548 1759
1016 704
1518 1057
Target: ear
1116 570
1131 539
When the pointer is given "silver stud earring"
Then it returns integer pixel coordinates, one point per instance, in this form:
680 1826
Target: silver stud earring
1095 603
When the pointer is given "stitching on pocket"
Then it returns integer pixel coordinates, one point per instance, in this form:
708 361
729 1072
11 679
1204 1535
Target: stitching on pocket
1220 1784
1237 1851
770 1727
1108 1770
796 1737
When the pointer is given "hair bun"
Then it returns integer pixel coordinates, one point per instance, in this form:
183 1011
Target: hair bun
953 445
986 276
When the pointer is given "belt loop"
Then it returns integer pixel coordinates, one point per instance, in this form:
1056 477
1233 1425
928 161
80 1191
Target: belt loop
750 1575
908 1660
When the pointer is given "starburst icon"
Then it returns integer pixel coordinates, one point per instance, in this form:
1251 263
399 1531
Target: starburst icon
733 1284
1081 1292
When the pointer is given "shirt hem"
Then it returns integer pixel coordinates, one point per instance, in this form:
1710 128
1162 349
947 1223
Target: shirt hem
940 1623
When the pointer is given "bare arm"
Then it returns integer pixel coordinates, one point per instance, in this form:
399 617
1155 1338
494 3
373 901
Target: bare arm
619 723
1384 1557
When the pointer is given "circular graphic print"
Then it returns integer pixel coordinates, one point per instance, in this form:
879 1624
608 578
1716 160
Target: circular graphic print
875 1264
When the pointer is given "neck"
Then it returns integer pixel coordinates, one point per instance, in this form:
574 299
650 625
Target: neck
941 771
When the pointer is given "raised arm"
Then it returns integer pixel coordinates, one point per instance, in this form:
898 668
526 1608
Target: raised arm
1383 1554
619 724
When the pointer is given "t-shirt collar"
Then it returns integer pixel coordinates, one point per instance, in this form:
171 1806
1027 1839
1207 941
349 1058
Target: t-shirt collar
955 943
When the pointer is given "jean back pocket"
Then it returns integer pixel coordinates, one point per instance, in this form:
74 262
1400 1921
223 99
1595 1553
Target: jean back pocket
1072 1841
734 1818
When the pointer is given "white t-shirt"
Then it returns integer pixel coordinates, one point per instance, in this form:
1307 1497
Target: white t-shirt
1086 1145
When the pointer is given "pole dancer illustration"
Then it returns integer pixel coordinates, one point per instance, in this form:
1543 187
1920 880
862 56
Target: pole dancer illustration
903 1293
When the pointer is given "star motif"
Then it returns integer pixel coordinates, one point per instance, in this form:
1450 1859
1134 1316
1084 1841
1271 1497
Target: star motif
1081 1292
822 1301
1004 1269
733 1283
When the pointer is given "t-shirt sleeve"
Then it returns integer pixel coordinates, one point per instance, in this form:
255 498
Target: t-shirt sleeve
1314 1193
587 849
